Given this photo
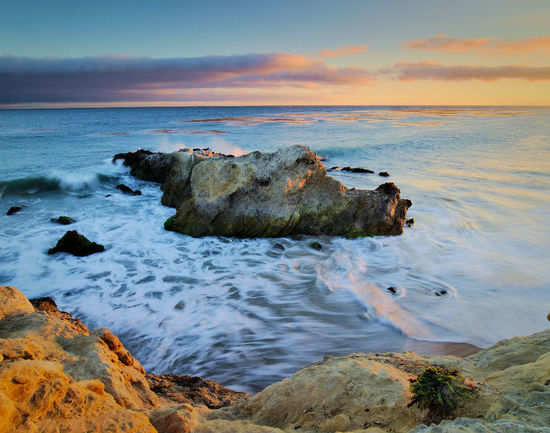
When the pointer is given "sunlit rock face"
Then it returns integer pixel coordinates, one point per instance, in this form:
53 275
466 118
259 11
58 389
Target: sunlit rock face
276 194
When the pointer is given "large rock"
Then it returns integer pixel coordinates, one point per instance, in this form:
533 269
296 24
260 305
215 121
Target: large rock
266 195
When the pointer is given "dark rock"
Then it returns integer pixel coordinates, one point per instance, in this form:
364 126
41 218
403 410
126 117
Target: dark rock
357 170
384 174
76 244
13 210
409 222
192 390
392 290
146 165
127 190
44 304
108 195
316 246
441 292
279 247
63 220
334 168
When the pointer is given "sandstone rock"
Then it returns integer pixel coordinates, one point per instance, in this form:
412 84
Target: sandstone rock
51 401
12 301
101 356
76 244
265 195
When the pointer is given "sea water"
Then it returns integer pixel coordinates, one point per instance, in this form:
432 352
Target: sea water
472 269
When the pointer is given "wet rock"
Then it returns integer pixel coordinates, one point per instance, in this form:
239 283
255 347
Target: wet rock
392 290
316 246
146 165
409 222
279 246
441 292
333 168
76 244
63 220
384 174
127 190
13 210
358 170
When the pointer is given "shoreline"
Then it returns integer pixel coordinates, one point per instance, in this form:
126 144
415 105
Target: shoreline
51 360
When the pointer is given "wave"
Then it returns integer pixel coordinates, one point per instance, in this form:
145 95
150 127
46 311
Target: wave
57 181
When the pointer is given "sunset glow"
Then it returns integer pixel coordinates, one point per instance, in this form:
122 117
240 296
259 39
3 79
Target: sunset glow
444 57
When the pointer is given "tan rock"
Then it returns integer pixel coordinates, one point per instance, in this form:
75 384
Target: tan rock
102 356
50 401
12 301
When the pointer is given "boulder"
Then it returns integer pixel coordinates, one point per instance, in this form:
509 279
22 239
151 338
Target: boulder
76 244
284 193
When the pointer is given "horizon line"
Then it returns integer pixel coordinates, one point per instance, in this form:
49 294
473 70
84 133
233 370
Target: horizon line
88 107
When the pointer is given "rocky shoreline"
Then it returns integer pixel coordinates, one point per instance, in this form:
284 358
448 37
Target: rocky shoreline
56 375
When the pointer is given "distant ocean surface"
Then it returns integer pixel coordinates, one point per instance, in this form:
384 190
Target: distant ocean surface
474 268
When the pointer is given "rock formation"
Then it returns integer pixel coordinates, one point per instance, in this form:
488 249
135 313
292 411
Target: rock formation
58 376
283 193
76 244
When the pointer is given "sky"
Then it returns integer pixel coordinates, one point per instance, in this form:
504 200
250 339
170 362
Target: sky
301 52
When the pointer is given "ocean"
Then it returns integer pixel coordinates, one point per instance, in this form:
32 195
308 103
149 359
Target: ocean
472 269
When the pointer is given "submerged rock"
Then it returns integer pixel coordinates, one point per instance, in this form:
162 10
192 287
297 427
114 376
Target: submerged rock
358 170
76 244
284 193
13 210
384 174
63 220
127 190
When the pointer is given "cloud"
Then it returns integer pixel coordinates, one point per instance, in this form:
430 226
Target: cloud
443 43
120 78
346 50
406 71
503 47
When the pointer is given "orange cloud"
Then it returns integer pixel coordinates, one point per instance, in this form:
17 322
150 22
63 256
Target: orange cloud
446 44
406 71
346 50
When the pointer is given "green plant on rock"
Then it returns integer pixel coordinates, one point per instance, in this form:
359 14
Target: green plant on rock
440 391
